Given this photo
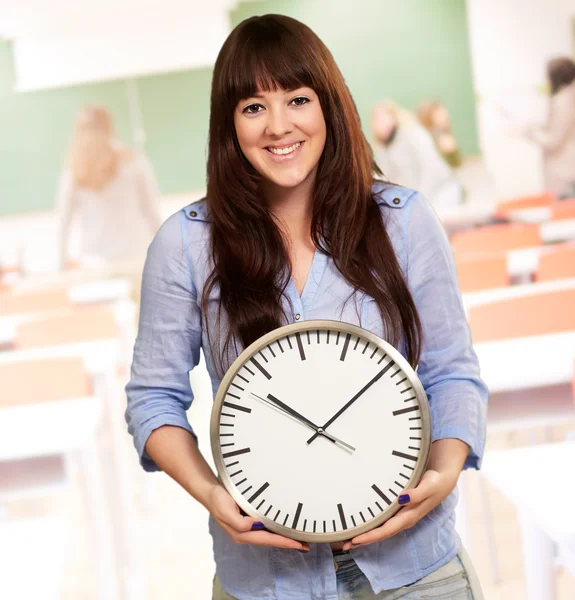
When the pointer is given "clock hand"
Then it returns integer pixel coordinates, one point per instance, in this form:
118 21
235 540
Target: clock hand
278 404
346 406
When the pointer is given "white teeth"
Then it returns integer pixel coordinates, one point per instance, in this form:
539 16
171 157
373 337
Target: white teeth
287 150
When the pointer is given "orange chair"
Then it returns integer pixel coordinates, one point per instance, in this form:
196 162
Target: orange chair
563 209
477 274
535 314
556 263
12 302
72 327
46 380
534 201
495 238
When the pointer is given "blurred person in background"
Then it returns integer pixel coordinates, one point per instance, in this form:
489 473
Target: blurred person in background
110 191
557 136
434 116
408 156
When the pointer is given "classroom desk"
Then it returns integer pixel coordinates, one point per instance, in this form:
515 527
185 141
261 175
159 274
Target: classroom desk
98 292
529 382
558 231
539 481
101 359
72 277
99 356
124 314
539 214
515 291
523 263
528 362
44 429
465 216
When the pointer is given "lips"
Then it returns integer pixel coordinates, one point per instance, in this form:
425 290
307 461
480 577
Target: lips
284 150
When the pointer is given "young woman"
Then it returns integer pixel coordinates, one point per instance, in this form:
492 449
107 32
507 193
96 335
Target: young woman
110 190
294 227
557 136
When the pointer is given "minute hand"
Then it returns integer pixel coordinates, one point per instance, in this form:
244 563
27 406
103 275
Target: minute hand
346 406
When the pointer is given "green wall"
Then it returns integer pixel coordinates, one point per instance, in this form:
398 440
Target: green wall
409 50
35 130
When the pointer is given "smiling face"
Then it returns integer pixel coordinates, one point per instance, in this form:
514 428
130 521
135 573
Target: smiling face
282 134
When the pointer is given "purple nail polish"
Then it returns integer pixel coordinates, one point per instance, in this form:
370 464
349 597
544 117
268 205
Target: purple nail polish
258 526
404 499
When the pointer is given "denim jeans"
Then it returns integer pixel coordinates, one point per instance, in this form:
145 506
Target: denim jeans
456 580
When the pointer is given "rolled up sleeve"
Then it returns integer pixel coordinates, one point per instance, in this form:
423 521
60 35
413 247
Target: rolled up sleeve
168 344
448 367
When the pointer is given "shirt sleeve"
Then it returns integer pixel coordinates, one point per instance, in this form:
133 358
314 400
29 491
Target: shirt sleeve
448 367
169 339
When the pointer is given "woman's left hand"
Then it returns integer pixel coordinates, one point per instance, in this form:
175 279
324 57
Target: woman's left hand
433 488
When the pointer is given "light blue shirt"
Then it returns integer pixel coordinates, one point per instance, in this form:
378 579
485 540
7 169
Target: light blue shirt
172 331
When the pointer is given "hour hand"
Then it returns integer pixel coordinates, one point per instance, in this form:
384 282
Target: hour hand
276 403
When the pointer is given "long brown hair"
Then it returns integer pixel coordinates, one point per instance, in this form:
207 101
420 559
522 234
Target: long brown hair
251 263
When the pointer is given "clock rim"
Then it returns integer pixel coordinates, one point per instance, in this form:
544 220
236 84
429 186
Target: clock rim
265 340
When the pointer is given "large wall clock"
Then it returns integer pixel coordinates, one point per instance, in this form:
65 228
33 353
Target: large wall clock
317 428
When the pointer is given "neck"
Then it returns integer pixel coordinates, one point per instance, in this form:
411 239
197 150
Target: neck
292 207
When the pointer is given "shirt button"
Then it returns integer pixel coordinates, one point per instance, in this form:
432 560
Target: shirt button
298 317
193 213
396 200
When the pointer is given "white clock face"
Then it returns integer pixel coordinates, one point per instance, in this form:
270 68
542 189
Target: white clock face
317 428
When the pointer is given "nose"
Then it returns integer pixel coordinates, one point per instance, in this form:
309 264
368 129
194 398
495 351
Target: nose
279 122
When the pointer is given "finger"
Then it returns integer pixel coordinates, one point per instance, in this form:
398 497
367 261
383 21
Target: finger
424 490
232 517
404 519
265 538
241 524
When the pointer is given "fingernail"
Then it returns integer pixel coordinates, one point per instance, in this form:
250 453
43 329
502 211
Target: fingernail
404 499
303 551
258 526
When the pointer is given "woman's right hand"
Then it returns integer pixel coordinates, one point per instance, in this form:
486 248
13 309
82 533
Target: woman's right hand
244 530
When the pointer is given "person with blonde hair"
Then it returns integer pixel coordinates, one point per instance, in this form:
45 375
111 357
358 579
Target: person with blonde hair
110 190
408 156
434 116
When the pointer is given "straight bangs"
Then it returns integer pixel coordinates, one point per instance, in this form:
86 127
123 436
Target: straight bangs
268 57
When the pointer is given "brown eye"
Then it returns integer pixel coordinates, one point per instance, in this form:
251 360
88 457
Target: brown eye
252 109
300 101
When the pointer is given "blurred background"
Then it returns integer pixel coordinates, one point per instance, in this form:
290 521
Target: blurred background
104 111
